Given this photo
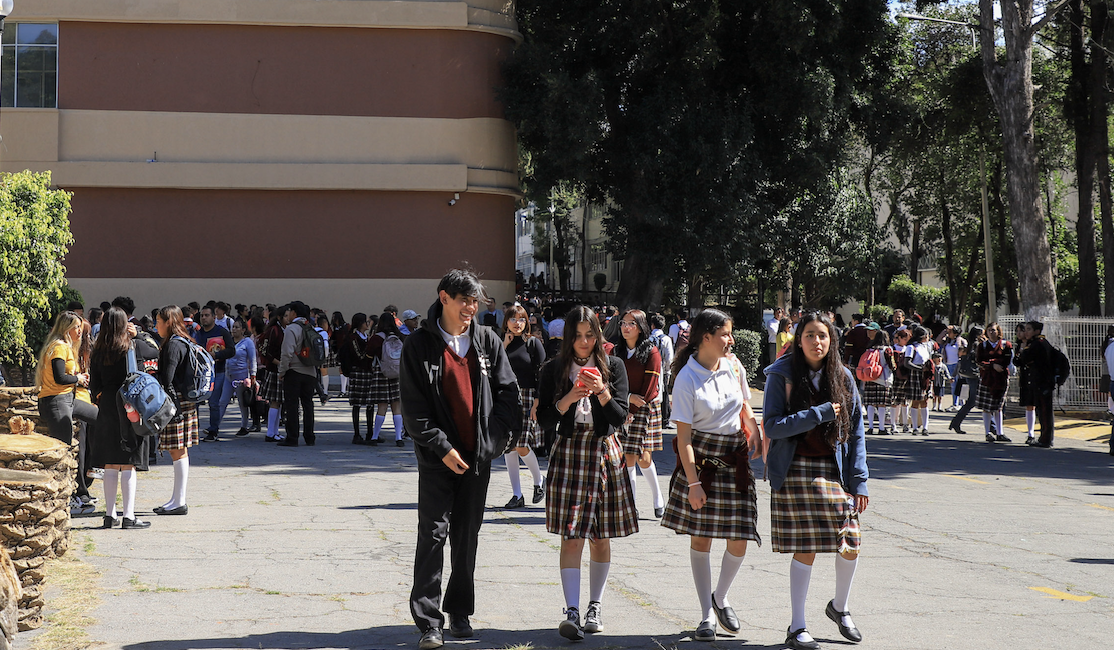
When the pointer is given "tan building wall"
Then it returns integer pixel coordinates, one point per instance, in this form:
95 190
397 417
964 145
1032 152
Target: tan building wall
245 150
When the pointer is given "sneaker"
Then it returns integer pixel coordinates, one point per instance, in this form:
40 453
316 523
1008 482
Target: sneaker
400 443
990 437
88 499
1002 438
570 627
924 431
77 508
1031 440
210 437
870 431
95 473
242 432
905 428
255 428
593 621
515 503
539 492
952 409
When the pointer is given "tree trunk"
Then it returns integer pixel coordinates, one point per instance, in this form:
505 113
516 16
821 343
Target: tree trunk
915 251
949 254
695 297
1078 109
1100 135
641 285
969 281
1011 87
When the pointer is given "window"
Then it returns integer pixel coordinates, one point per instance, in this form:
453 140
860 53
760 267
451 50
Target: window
29 66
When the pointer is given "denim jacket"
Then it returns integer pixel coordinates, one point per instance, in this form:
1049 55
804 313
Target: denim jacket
782 428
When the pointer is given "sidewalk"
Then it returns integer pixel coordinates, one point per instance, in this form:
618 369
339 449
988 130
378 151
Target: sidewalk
966 545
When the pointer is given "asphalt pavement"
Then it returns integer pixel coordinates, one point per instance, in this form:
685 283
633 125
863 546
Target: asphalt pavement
967 544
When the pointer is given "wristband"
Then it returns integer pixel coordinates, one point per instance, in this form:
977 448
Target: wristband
695 484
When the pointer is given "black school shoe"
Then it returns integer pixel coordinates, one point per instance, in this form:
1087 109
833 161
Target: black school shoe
792 642
460 627
134 523
849 633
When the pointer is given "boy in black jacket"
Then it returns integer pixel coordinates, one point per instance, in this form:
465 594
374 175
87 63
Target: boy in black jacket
460 406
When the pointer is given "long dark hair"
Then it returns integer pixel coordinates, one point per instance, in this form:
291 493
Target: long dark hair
706 322
564 361
387 325
172 314
643 345
113 341
338 320
835 386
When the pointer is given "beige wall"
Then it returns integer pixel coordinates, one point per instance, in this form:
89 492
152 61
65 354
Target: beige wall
345 295
482 15
111 149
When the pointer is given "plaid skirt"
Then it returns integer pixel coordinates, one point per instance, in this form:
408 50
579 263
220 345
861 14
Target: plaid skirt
331 360
643 432
383 390
914 389
531 434
183 431
587 491
812 513
359 387
270 388
990 400
728 513
875 394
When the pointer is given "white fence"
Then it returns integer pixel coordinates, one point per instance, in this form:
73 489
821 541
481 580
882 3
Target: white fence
1081 339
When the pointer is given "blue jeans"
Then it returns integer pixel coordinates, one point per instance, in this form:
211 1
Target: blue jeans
952 367
216 404
243 397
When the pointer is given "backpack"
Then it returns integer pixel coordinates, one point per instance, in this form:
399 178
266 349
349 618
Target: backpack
869 367
1061 365
389 359
683 335
199 384
144 395
313 347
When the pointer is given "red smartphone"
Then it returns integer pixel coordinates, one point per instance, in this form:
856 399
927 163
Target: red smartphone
595 372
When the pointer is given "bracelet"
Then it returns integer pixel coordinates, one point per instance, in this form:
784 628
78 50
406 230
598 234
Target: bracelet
559 409
694 484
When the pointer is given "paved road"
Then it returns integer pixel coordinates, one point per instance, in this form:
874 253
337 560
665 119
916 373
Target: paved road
967 545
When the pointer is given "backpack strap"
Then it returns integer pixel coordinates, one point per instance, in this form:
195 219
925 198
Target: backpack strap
132 365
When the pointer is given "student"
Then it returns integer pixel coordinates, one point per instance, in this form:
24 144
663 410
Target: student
460 419
339 339
901 339
712 492
270 350
941 379
355 361
818 471
969 375
184 431
583 395
641 434
784 336
115 445
218 342
918 388
994 357
526 355
877 395
1038 359
299 380
239 376
384 389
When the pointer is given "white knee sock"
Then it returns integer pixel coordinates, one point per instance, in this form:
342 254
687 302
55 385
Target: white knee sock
127 487
343 384
701 563
272 422
986 421
570 584
379 420
111 481
892 412
511 459
799 575
632 473
845 575
870 417
998 421
914 415
531 461
651 474
903 414
597 579
1030 421
728 569
181 478
924 417
399 427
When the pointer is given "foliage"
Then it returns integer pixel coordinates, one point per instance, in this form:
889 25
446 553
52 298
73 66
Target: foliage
748 347
695 122
552 219
908 295
880 313
34 239
902 294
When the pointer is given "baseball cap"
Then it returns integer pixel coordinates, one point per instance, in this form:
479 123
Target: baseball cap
409 314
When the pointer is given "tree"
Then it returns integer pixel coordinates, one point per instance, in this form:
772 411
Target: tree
34 239
695 123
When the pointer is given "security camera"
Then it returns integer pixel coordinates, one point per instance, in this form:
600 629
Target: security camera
456 197
452 201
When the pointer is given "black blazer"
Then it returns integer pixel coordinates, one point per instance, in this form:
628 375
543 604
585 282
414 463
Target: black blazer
606 418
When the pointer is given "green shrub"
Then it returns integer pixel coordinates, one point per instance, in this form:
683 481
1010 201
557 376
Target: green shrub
748 347
902 294
931 300
880 313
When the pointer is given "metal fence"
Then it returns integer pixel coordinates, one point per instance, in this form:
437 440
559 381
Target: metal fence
1081 339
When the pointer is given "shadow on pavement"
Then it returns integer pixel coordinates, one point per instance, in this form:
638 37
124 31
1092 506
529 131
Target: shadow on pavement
1092 560
396 636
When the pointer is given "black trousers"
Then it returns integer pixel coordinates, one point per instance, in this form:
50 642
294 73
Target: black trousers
450 506
969 404
58 412
1045 415
298 389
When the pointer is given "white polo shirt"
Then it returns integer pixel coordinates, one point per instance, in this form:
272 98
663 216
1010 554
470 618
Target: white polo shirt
710 401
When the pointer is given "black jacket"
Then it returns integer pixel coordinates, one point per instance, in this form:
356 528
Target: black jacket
425 411
605 419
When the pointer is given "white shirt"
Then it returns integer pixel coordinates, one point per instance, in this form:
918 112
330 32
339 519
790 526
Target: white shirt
1109 356
952 348
918 353
710 401
772 326
583 413
324 335
459 344
675 329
